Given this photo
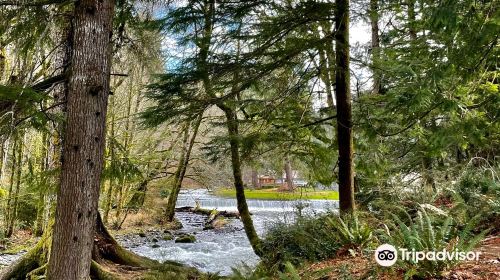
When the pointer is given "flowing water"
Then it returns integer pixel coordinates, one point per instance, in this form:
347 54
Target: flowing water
221 249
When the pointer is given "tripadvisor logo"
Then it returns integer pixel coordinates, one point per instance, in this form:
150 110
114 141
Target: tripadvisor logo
387 255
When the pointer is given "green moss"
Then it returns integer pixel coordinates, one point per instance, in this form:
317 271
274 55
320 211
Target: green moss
186 238
168 236
274 194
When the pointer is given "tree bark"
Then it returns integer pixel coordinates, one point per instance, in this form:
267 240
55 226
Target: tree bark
8 208
19 168
84 141
411 20
181 169
288 174
5 158
62 60
39 226
2 61
375 44
111 148
330 61
344 112
255 179
246 218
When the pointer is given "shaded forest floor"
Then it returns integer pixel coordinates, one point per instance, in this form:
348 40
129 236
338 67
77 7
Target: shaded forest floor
346 266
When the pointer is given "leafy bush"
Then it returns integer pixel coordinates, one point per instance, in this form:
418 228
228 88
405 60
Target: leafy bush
314 239
308 239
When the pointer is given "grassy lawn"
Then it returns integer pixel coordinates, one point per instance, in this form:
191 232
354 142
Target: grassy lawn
274 194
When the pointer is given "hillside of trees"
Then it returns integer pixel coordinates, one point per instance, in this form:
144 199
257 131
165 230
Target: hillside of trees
318 129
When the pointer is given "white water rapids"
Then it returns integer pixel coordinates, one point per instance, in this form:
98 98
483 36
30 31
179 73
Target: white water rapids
217 251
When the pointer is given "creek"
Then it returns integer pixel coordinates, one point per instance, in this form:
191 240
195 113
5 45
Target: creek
218 250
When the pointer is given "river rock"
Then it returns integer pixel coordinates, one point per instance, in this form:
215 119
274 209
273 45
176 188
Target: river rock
168 236
155 246
185 238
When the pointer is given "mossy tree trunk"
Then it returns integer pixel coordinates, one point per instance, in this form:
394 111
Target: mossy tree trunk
18 166
229 110
11 186
344 110
111 147
246 218
182 167
40 209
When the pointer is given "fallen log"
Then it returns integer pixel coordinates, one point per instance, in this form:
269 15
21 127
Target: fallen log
208 212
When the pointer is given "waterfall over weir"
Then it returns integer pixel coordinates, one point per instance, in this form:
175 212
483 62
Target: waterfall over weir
209 201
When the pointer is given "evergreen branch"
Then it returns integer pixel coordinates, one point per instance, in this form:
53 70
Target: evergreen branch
319 121
33 3
41 111
411 124
46 84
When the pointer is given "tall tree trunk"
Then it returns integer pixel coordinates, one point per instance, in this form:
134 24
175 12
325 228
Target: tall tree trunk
8 208
246 218
181 169
40 209
412 19
288 174
255 179
2 154
5 158
19 168
84 141
62 60
330 61
344 113
111 147
126 137
3 61
375 44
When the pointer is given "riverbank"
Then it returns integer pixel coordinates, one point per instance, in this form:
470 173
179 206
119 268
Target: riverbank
216 250
275 194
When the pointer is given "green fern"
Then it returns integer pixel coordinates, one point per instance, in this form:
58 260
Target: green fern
351 231
428 232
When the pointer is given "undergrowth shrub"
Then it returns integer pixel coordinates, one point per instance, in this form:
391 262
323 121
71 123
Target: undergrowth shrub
477 194
314 239
307 239
352 231
429 232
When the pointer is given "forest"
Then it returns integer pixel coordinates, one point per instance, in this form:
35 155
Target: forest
236 139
